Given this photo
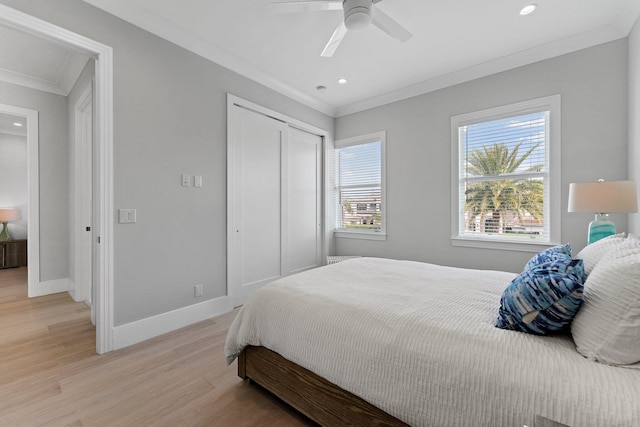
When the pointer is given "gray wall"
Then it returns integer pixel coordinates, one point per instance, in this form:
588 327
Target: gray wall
169 119
13 181
634 116
593 86
52 149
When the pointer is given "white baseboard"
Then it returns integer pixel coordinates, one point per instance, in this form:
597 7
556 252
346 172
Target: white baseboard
140 330
77 294
49 287
72 291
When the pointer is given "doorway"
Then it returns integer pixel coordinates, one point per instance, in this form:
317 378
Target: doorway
103 186
27 204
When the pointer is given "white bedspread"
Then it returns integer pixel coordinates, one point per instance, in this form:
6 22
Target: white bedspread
418 341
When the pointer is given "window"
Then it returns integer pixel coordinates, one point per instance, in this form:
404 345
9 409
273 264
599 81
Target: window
360 198
506 176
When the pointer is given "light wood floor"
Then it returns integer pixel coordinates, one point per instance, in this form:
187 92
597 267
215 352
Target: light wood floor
50 374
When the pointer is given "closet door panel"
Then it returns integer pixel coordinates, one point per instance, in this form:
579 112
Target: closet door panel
303 248
257 210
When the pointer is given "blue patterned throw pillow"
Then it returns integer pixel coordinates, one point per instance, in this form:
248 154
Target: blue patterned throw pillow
543 299
550 254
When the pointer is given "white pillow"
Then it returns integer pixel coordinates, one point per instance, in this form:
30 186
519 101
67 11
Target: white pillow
607 326
594 252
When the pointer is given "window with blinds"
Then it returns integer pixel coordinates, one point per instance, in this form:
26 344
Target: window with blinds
360 184
503 173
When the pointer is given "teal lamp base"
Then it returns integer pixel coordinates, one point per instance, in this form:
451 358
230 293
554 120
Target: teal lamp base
4 234
600 228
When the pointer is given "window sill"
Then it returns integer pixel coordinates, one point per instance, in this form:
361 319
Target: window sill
364 235
501 245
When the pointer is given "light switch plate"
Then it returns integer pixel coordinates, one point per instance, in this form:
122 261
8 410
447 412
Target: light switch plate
197 181
126 216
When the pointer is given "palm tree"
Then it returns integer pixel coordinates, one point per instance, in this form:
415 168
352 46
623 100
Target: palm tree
500 197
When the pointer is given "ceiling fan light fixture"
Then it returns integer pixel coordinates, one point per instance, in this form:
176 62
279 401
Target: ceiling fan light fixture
357 14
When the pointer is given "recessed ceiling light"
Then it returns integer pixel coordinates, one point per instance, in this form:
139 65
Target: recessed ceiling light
342 80
17 124
528 9
321 88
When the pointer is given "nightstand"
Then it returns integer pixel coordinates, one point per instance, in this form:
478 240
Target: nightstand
13 253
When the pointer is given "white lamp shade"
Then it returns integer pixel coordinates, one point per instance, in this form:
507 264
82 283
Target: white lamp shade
603 197
7 215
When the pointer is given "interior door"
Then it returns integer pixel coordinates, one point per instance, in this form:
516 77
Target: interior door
84 202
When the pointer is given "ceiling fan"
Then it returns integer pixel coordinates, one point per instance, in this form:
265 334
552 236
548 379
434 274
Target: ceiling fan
358 15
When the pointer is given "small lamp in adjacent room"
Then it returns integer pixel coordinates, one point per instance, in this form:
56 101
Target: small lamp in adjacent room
6 215
602 198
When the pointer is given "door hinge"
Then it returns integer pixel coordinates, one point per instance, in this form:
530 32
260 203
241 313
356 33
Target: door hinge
88 228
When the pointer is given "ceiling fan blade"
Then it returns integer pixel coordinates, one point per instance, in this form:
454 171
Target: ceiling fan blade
306 6
335 40
389 25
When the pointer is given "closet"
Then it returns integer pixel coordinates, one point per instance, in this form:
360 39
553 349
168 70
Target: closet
274 174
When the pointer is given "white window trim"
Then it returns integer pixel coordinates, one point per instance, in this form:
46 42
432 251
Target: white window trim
553 211
380 234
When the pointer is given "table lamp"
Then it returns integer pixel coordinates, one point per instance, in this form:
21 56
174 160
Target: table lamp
6 215
603 198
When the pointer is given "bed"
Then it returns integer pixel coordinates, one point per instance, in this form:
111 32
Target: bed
373 341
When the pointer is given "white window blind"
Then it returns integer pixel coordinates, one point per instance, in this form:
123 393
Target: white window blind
360 184
504 191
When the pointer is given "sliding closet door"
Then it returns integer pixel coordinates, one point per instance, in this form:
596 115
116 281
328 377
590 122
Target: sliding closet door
304 198
256 202
275 202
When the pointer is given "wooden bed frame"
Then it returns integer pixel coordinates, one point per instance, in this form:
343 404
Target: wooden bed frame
312 395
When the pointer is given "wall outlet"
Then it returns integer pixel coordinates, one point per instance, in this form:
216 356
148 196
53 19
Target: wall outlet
186 180
197 291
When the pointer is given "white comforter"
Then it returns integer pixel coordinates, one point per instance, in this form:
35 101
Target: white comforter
418 341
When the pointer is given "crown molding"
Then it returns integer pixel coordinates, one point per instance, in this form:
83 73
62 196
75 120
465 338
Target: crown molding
519 59
155 24
30 82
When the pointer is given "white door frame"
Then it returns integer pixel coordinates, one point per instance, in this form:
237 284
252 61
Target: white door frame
103 102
